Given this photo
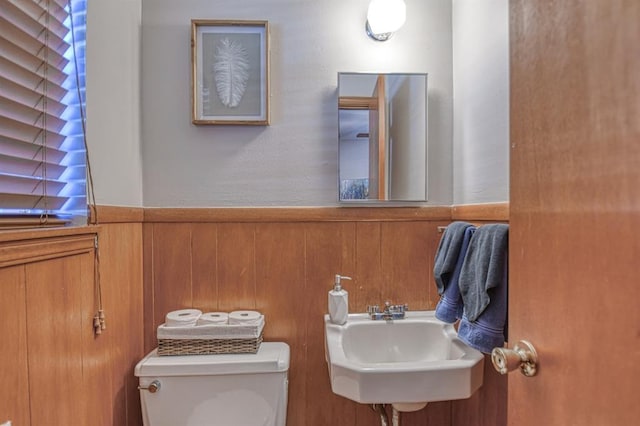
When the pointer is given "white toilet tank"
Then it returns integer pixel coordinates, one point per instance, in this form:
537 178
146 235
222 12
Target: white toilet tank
216 390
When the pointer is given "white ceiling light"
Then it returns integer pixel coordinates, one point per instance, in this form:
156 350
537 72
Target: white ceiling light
385 17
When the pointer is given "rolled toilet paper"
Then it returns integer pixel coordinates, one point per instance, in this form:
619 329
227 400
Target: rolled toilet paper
245 317
182 318
209 318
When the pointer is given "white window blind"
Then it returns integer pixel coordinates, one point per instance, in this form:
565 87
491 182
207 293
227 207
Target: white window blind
42 152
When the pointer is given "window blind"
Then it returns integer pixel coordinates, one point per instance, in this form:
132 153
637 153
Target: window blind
42 78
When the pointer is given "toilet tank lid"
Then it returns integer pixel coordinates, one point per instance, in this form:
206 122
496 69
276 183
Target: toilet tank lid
271 357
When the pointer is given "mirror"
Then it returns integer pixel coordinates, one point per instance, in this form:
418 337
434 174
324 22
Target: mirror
382 142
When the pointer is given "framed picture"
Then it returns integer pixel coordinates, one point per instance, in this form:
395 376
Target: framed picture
230 72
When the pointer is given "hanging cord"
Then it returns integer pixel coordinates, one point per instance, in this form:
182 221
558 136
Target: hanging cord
99 321
44 215
93 211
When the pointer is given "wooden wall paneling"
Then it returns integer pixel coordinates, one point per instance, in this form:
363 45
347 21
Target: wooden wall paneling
98 357
121 277
116 305
330 250
148 270
280 290
134 271
407 257
55 333
204 266
368 277
14 373
236 278
285 270
172 270
487 406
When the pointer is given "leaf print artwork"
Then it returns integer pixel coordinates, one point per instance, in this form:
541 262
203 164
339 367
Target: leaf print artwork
231 71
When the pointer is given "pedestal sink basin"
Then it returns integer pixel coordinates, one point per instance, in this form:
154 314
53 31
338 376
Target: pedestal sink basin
404 362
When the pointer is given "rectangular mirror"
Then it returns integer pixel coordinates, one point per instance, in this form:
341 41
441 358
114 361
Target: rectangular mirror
382 141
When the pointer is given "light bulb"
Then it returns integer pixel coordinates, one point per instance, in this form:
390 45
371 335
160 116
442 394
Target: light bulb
386 16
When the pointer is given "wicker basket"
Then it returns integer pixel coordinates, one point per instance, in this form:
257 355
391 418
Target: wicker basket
208 347
210 339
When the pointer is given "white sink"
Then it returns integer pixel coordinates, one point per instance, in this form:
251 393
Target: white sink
417 359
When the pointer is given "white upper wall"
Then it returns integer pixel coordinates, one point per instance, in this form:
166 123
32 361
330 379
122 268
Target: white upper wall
293 162
113 100
481 101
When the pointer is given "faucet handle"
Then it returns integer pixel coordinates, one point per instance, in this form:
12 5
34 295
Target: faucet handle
399 308
373 309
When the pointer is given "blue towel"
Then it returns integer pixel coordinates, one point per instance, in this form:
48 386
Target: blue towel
449 308
483 285
447 254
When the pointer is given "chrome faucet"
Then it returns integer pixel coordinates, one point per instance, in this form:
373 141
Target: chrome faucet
390 312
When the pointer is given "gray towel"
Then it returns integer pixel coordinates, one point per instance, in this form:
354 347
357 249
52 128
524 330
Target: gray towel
483 268
447 254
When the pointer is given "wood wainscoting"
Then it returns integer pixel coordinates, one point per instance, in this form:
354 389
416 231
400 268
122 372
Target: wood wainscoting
53 370
282 261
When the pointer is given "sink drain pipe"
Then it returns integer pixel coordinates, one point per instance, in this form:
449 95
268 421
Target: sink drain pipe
379 408
384 418
395 417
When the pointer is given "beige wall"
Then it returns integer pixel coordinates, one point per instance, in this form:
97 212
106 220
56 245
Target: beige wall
481 107
139 102
113 100
293 162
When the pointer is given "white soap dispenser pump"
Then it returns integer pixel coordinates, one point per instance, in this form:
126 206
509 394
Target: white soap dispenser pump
338 301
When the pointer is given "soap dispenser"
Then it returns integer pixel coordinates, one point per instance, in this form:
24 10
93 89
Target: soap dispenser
338 302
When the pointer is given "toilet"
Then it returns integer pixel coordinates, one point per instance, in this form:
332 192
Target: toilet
215 390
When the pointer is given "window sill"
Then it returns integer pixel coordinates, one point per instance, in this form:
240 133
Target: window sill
26 246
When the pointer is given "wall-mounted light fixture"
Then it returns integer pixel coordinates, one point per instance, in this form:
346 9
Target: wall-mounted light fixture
385 17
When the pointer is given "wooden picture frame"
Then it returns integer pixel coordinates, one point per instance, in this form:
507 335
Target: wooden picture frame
230 72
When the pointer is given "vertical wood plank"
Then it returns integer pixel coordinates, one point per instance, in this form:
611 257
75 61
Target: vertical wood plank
97 357
54 334
172 269
407 259
204 266
121 275
330 249
14 374
280 287
368 276
488 405
236 266
149 272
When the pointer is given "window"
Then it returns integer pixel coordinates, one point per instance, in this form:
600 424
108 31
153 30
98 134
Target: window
42 79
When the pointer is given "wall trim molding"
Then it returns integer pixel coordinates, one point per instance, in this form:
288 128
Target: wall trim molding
487 211
297 214
120 214
470 212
